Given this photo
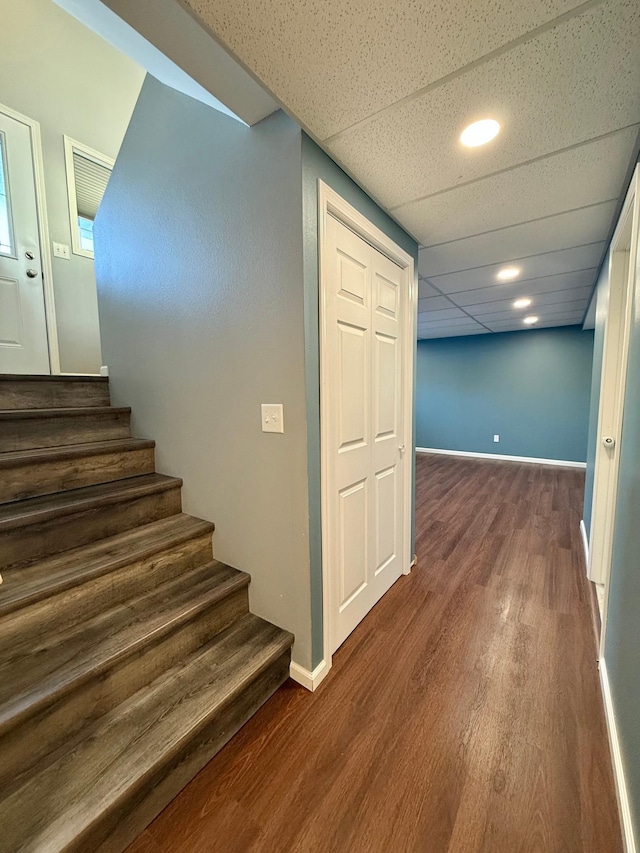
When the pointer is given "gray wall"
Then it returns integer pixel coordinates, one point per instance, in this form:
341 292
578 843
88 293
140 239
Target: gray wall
622 653
65 77
601 296
201 306
530 387
316 164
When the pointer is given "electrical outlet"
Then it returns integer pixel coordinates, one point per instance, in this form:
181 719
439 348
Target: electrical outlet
60 250
272 417
496 438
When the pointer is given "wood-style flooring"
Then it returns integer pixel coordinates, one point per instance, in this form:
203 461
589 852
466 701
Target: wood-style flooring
462 715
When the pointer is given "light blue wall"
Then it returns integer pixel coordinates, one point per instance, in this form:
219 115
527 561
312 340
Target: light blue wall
201 305
316 164
622 652
530 387
601 296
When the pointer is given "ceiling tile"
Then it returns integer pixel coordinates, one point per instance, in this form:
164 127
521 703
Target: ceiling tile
557 320
450 313
548 284
434 303
576 178
333 63
425 290
535 266
585 227
433 323
576 294
453 333
412 150
543 311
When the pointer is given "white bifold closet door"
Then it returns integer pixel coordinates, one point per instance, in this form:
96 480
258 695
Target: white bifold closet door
362 437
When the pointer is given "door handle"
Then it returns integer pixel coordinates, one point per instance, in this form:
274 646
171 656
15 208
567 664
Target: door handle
401 448
608 441
32 273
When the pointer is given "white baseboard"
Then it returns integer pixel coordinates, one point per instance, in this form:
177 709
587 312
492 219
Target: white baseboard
532 459
585 544
618 765
309 679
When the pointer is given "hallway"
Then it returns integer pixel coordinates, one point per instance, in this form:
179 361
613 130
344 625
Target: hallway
463 714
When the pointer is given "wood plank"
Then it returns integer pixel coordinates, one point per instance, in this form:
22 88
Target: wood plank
462 715
49 392
24 429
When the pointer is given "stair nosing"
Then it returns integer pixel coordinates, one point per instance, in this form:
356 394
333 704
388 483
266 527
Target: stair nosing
70 503
250 672
194 528
27 705
12 458
48 377
69 412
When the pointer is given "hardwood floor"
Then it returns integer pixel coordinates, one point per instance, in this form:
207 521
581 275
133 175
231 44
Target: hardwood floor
462 715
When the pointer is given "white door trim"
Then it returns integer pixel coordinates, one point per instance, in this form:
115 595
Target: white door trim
329 202
622 265
43 227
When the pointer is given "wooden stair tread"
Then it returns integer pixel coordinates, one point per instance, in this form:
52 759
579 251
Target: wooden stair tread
48 377
44 507
73 451
55 574
125 751
36 671
90 411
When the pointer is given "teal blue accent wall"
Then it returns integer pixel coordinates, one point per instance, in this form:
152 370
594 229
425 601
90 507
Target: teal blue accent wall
622 652
532 388
601 296
316 164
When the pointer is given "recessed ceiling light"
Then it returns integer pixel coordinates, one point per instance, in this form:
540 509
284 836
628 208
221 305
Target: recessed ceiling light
480 132
508 273
530 320
522 303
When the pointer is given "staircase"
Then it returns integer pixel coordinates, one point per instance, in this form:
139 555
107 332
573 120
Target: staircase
128 656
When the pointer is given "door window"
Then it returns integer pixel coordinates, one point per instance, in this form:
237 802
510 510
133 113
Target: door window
6 229
88 174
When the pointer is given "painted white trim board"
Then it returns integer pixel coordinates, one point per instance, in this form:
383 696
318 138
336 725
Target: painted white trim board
531 459
585 544
308 679
618 765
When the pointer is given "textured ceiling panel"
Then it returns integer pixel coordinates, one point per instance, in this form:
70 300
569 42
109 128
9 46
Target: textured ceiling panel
572 319
582 227
543 311
576 178
536 266
575 294
306 51
425 290
413 151
450 313
452 333
433 303
534 287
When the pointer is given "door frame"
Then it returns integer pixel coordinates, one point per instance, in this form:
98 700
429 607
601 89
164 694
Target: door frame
613 379
331 203
43 229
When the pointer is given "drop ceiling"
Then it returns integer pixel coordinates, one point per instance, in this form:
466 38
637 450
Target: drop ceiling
386 88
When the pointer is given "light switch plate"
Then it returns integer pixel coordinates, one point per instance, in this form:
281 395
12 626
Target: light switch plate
272 417
496 438
61 250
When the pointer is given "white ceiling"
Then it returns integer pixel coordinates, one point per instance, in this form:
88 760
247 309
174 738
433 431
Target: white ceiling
386 86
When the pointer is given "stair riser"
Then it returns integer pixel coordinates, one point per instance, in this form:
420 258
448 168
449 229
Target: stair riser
41 735
24 544
17 394
45 477
114 831
71 606
31 433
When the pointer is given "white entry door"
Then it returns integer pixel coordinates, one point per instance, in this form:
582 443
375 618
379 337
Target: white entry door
365 470
23 329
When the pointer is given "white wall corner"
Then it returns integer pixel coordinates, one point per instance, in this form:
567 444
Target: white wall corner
308 679
585 544
618 764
